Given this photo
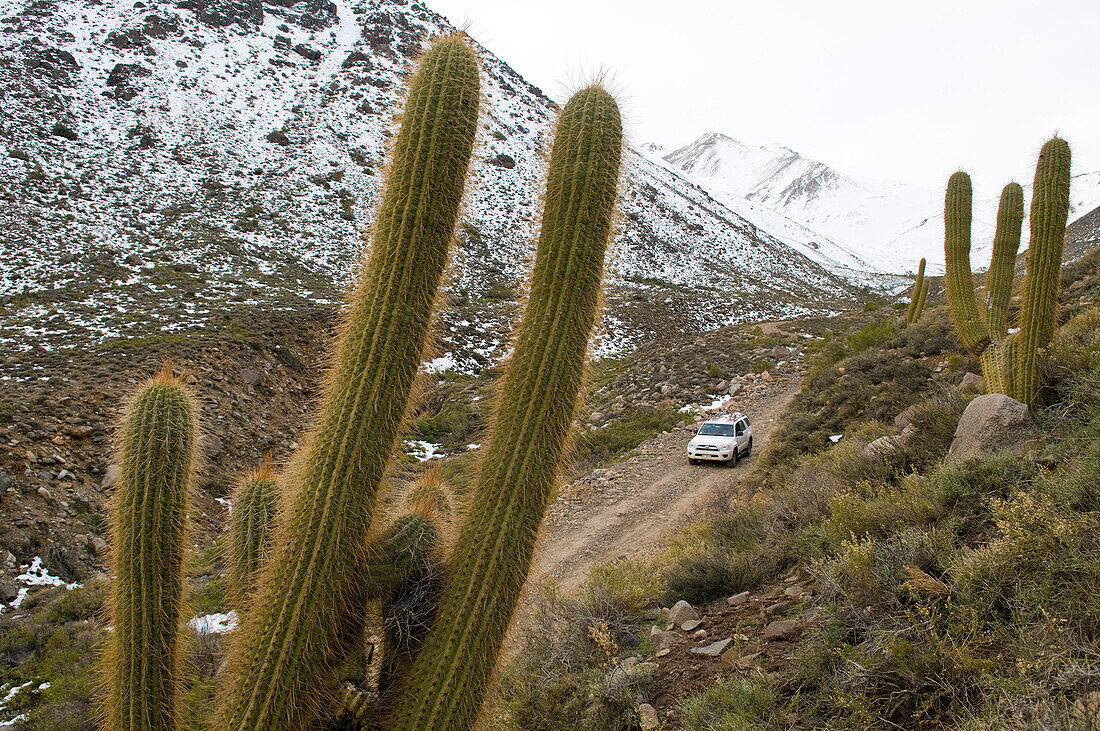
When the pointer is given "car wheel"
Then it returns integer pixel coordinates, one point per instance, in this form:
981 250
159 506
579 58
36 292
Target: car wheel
748 449
692 460
733 458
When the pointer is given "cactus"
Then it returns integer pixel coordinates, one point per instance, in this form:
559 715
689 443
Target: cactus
158 459
255 506
1039 308
282 659
912 314
528 440
1002 267
922 299
958 210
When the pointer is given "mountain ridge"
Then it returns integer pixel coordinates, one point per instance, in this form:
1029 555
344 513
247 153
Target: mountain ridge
166 169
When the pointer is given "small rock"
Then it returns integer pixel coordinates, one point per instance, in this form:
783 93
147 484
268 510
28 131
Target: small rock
65 474
647 717
736 389
134 260
307 52
110 477
681 612
8 593
766 376
79 432
738 599
45 494
7 560
5 481
661 640
699 634
781 629
251 376
714 649
99 546
278 137
972 382
795 592
690 625
777 608
503 161
733 660
662 652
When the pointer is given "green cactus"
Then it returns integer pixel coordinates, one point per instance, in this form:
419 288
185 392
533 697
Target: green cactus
531 426
911 314
282 659
1002 267
958 211
158 458
923 299
1039 307
255 506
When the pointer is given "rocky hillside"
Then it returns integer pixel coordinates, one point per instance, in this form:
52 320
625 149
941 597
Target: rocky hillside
169 166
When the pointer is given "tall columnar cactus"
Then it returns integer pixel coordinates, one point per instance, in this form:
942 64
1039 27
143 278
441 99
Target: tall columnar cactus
957 214
923 299
1002 267
1039 308
157 462
255 506
532 419
305 609
912 314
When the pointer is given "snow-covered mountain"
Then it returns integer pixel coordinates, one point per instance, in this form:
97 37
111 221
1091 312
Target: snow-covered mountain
836 218
167 166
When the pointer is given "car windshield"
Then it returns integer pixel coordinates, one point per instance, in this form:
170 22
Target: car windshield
716 430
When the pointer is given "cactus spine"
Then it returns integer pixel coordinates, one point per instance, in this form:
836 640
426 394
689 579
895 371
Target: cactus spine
255 506
290 638
538 400
958 211
913 313
1002 267
158 460
1039 308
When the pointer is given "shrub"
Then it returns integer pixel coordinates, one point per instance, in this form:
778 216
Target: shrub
733 704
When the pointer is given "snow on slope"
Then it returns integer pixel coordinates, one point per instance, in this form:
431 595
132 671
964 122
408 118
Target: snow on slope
170 169
883 226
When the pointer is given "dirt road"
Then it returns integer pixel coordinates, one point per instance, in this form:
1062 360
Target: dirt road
624 510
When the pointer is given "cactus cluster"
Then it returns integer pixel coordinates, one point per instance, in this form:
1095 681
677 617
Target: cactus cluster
530 431
918 296
310 557
307 597
1010 365
157 458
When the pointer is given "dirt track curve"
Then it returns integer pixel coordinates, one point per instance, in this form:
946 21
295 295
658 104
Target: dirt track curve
625 509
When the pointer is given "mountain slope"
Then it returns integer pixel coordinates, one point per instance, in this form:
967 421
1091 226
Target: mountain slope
885 226
170 169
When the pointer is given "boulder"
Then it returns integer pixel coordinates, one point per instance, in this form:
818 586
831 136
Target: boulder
714 649
972 382
883 448
992 423
738 599
905 418
647 717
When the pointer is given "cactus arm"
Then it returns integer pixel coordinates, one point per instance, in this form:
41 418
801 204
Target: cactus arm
158 462
282 658
1002 267
958 210
1039 308
538 401
911 313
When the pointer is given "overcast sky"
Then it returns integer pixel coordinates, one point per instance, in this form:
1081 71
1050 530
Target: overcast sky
877 89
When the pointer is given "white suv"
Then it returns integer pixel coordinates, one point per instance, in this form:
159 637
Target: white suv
723 438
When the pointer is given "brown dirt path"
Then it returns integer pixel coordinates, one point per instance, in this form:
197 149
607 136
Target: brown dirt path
625 509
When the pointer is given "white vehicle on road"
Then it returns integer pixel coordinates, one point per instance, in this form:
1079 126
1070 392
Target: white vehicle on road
722 438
